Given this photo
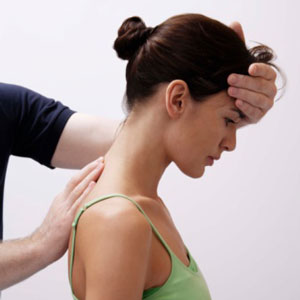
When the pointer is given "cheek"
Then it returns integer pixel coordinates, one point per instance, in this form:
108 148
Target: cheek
211 138
188 151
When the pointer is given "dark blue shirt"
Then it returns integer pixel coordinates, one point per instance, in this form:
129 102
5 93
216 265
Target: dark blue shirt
30 126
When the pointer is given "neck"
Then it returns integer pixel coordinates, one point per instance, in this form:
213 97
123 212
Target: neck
137 159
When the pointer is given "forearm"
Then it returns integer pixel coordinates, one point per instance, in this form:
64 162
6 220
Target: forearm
22 258
19 259
84 139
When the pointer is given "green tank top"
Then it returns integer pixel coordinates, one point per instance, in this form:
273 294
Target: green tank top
184 282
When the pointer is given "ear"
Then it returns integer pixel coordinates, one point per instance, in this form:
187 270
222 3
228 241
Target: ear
237 27
177 97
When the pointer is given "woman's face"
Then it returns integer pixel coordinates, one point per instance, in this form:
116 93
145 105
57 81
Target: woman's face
204 129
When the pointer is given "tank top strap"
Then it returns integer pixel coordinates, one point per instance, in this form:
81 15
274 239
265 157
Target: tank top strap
89 204
139 208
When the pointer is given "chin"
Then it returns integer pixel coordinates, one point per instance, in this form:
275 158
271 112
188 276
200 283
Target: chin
193 172
198 174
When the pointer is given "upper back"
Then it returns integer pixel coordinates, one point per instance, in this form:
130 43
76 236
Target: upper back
126 250
111 235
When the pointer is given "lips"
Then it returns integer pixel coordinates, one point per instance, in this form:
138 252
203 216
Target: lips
215 157
210 160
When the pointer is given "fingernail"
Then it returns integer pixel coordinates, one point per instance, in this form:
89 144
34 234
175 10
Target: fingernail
239 103
232 91
100 166
233 79
100 159
92 183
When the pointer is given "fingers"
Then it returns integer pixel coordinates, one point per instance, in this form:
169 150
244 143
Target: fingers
253 114
76 179
262 70
255 91
258 100
237 27
83 195
83 185
257 84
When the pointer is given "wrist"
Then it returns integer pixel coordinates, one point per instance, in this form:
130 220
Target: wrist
39 248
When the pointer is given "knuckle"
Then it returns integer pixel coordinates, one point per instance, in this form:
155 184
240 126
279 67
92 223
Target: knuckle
259 115
242 78
273 74
69 185
261 98
249 109
274 91
244 94
252 111
255 115
77 191
238 93
271 104
261 85
245 81
74 180
74 196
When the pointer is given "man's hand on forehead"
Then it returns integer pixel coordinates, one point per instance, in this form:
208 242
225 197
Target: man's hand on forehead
254 93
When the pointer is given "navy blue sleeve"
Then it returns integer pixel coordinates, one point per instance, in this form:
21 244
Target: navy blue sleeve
35 122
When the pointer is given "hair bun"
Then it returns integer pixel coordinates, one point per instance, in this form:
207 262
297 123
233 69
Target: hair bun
131 35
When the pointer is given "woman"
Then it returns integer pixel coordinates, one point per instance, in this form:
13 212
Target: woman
179 111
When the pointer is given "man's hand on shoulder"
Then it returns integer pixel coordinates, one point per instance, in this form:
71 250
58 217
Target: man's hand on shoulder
21 258
53 234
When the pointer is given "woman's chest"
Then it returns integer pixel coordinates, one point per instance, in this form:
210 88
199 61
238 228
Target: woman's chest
160 263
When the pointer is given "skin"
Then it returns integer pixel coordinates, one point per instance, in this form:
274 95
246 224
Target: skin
215 119
254 94
18 258
83 140
181 131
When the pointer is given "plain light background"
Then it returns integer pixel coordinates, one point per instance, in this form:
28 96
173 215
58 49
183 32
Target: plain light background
241 220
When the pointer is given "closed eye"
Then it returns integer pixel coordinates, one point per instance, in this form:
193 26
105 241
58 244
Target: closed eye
227 120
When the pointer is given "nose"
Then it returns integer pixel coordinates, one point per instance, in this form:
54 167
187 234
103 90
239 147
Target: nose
229 141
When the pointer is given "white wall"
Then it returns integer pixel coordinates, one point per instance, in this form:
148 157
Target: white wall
241 221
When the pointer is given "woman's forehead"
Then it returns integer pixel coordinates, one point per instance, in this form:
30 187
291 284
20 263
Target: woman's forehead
222 101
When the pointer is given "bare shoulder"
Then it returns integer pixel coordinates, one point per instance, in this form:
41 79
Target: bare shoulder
115 219
114 236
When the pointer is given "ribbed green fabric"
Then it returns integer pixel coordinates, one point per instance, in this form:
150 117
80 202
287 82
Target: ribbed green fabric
183 283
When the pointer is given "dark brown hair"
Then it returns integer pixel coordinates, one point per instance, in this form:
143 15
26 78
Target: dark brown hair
199 50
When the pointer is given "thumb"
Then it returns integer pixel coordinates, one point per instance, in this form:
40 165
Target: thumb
237 27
